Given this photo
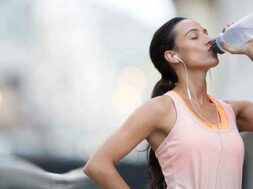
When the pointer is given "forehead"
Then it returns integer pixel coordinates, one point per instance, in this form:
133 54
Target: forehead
185 25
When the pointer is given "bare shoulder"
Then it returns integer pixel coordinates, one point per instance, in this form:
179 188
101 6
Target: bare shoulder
164 117
153 113
144 121
160 102
160 105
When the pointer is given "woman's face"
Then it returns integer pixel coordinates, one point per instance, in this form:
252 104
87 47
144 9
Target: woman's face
193 45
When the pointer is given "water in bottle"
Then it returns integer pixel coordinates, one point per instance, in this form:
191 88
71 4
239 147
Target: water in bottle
235 35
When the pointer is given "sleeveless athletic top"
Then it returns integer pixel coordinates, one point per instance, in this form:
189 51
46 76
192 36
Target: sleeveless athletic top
190 156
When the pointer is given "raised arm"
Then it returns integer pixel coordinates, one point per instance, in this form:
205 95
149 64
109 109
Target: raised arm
243 109
244 114
139 125
246 49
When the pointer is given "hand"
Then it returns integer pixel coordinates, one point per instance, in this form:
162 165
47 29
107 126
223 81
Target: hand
246 49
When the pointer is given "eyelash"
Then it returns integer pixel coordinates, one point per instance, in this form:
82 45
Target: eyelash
197 36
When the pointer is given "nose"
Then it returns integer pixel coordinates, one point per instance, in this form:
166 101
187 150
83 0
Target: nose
208 40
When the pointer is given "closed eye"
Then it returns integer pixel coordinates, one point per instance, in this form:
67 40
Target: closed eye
196 30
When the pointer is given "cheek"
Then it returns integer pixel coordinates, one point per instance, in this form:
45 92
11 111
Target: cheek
190 50
195 58
194 53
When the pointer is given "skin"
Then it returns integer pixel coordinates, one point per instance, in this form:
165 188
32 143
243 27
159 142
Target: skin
243 109
154 119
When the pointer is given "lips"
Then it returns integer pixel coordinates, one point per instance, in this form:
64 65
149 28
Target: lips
212 52
212 43
211 49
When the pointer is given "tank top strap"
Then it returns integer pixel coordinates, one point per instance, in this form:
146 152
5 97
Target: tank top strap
177 102
228 108
185 113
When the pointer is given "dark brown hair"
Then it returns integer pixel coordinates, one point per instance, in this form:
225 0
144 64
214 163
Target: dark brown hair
163 40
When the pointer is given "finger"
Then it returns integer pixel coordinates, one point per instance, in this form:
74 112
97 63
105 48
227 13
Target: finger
250 41
230 49
224 29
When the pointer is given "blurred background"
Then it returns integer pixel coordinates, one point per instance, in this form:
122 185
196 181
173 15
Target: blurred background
71 72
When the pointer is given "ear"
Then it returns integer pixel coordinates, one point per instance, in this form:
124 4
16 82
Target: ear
170 57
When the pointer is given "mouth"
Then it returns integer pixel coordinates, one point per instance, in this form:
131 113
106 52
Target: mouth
212 43
212 52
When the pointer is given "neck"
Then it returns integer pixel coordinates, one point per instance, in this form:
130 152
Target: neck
197 85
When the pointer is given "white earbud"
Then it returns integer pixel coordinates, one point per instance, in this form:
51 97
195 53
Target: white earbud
188 89
190 98
175 56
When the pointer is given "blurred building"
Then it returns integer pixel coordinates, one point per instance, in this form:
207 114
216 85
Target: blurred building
72 71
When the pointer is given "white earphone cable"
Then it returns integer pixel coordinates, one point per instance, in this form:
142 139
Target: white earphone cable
190 97
219 120
217 176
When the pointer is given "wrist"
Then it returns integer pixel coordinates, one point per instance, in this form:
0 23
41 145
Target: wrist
250 54
248 49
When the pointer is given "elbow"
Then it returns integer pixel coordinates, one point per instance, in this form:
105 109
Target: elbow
87 169
91 168
96 167
97 164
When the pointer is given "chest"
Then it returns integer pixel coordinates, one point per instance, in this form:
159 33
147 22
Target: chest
192 142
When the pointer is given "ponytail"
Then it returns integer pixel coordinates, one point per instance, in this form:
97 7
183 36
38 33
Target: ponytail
163 39
156 178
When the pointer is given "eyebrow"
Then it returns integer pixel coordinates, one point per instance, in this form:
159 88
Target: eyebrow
204 30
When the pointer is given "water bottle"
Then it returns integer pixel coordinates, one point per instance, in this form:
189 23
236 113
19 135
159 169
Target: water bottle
235 35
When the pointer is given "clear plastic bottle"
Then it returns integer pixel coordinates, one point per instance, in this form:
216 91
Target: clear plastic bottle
236 34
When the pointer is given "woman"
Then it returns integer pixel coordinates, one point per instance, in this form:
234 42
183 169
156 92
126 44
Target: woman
194 138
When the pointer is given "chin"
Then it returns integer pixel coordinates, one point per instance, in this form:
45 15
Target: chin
214 63
210 63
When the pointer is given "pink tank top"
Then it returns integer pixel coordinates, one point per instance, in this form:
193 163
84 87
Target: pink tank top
189 156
